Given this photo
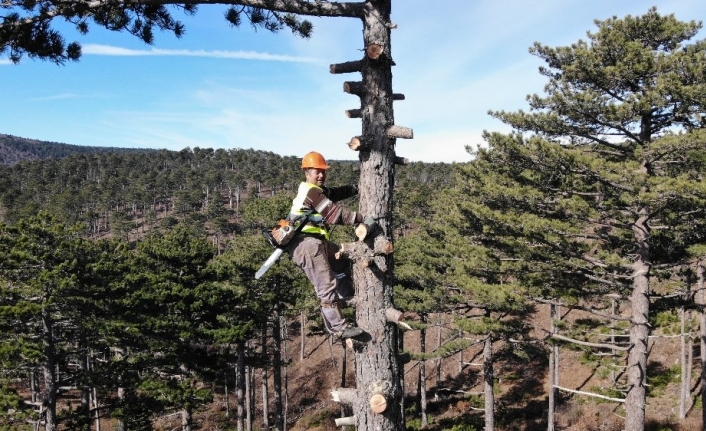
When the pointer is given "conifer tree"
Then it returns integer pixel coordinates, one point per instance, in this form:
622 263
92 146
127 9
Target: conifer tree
56 285
599 187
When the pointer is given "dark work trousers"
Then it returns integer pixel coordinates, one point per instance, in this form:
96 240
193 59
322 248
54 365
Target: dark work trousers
316 256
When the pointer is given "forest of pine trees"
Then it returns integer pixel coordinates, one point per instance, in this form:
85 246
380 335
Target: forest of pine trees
570 248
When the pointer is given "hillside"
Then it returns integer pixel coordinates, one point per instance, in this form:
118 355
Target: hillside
14 149
128 195
453 385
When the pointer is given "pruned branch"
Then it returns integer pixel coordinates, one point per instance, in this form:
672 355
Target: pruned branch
347 67
590 394
588 344
579 307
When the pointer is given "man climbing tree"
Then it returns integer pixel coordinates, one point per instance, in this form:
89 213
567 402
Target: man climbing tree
26 29
315 206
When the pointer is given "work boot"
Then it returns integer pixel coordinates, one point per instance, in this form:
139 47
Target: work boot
349 331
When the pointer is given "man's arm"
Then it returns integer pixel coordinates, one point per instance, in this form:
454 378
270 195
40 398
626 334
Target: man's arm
331 212
339 193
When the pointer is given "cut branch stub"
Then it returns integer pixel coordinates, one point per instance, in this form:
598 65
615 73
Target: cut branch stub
354 113
347 67
344 395
357 143
378 403
398 96
363 230
355 87
400 132
404 358
394 315
401 161
359 251
340 422
374 51
383 245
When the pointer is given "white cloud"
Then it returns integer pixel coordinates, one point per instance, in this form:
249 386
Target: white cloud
4 62
54 97
96 49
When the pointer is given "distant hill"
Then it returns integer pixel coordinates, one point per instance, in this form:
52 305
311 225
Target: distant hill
14 149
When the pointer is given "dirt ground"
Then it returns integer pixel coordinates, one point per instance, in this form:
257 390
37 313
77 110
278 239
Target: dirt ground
521 391
453 385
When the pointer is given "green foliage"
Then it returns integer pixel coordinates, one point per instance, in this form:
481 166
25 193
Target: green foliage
660 377
667 320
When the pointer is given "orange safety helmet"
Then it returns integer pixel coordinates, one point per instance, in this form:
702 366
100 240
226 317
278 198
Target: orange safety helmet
314 160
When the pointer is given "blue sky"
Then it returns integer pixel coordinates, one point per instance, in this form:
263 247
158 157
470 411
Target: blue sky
223 87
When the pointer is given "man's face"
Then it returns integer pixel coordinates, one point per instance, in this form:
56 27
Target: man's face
315 176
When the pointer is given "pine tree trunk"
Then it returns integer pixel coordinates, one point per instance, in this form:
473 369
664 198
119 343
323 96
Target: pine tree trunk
552 373
438 361
488 378
263 381
422 382
121 400
186 419
684 368
702 338
49 370
400 348
249 399
639 330
277 370
377 366
86 407
302 334
240 379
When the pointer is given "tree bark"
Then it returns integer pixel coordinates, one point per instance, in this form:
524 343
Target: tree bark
249 398
684 369
702 338
240 385
302 332
263 381
553 359
49 369
186 419
488 378
422 382
639 329
377 367
277 370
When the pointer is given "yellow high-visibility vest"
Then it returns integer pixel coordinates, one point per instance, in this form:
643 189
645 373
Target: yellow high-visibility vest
316 225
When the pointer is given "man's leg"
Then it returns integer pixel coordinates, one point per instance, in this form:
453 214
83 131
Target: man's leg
311 255
345 289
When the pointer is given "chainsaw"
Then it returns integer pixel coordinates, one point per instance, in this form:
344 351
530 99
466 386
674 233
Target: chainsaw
280 237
